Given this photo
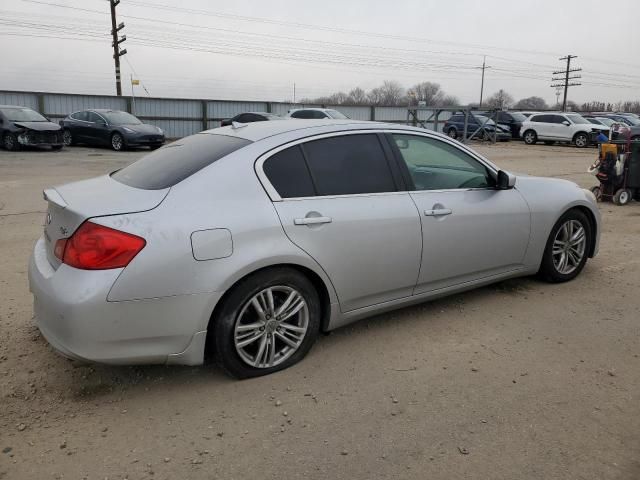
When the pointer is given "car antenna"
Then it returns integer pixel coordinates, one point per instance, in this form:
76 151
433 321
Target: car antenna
235 125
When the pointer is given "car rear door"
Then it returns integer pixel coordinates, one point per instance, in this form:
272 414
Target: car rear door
560 130
339 199
543 126
470 230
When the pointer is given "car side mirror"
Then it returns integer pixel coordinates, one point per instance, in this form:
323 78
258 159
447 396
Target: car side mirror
506 180
566 123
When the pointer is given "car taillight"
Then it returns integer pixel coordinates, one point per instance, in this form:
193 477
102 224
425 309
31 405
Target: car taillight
96 247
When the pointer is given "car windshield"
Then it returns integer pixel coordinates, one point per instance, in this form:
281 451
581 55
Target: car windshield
22 115
482 119
605 121
578 119
632 120
121 118
336 114
518 117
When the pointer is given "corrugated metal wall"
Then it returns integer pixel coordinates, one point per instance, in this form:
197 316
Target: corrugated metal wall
29 100
181 117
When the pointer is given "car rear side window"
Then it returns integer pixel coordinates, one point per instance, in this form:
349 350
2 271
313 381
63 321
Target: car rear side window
349 164
173 163
288 173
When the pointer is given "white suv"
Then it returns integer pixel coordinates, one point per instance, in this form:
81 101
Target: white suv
561 127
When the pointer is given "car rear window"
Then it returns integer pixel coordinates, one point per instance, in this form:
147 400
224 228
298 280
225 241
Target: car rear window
288 173
173 163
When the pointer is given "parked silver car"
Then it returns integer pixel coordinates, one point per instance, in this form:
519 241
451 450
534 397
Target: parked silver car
242 244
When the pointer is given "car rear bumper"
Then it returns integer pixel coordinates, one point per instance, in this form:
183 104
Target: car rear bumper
73 314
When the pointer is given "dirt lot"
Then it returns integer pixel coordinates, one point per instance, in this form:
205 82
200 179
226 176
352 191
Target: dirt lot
520 380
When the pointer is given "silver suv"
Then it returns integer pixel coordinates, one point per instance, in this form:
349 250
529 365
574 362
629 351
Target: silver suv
561 127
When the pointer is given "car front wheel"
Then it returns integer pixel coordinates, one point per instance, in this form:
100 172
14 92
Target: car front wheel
581 140
452 133
10 142
530 137
567 248
268 322
117 142
67 138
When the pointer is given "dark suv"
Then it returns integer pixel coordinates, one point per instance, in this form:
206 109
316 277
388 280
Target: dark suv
513 120
454 128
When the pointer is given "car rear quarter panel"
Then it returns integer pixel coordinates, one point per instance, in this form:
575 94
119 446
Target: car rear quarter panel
548 200
225 195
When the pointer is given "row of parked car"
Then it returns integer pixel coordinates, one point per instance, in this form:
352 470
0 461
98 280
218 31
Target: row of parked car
579 129
22 126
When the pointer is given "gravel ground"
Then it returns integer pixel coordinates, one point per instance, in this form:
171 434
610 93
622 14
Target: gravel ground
519 380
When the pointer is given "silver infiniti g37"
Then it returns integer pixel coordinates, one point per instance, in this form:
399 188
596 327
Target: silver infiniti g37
241 244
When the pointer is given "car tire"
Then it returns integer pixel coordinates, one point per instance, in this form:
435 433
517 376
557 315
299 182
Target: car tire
622 196
530 137
597 192
117 142
10 142
452 133
581 140
67 138
226 334
560 262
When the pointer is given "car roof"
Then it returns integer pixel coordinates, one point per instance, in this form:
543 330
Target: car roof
15 106
256 131
320 109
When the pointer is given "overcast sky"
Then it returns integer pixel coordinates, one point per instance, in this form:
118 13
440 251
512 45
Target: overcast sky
259 49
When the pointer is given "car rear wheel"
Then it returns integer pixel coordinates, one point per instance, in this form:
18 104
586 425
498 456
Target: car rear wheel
530 137
581 140
67 138
452 133
10 142
567 248
117 142
268 322
597 192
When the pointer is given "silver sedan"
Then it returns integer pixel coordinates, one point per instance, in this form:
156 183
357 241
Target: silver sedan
242 243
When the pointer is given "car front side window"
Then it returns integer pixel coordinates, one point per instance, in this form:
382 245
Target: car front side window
437 165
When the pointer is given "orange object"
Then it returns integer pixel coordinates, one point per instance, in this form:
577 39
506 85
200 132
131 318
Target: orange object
608 148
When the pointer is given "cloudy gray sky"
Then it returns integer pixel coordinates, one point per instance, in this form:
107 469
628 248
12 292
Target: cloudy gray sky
250 49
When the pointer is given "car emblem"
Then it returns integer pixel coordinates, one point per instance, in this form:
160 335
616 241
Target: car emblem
63 231
48 220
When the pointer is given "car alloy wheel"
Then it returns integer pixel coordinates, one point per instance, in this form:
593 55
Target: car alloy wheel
117 142
569 247
10 142
581 140
530 138
452 133
67 138
271 326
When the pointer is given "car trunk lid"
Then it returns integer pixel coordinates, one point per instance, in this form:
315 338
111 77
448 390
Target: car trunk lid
71 204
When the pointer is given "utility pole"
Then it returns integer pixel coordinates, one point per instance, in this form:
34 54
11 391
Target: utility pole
565 81
117 53
294 92
484 67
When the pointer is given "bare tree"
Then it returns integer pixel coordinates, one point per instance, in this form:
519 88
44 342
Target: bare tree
428 92
532 103
357 96
500 99
391 93
449 101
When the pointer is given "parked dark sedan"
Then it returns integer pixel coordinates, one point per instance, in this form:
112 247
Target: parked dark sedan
21 126
249 117
455 126
113 128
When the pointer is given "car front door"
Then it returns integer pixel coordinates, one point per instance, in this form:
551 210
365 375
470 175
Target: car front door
340 202
470 230
560 130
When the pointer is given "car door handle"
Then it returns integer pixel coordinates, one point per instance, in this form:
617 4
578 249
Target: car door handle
312 220
437 212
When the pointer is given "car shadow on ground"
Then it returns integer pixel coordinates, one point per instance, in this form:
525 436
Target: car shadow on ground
91 382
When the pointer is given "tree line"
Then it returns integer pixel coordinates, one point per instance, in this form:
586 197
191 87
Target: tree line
392 93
